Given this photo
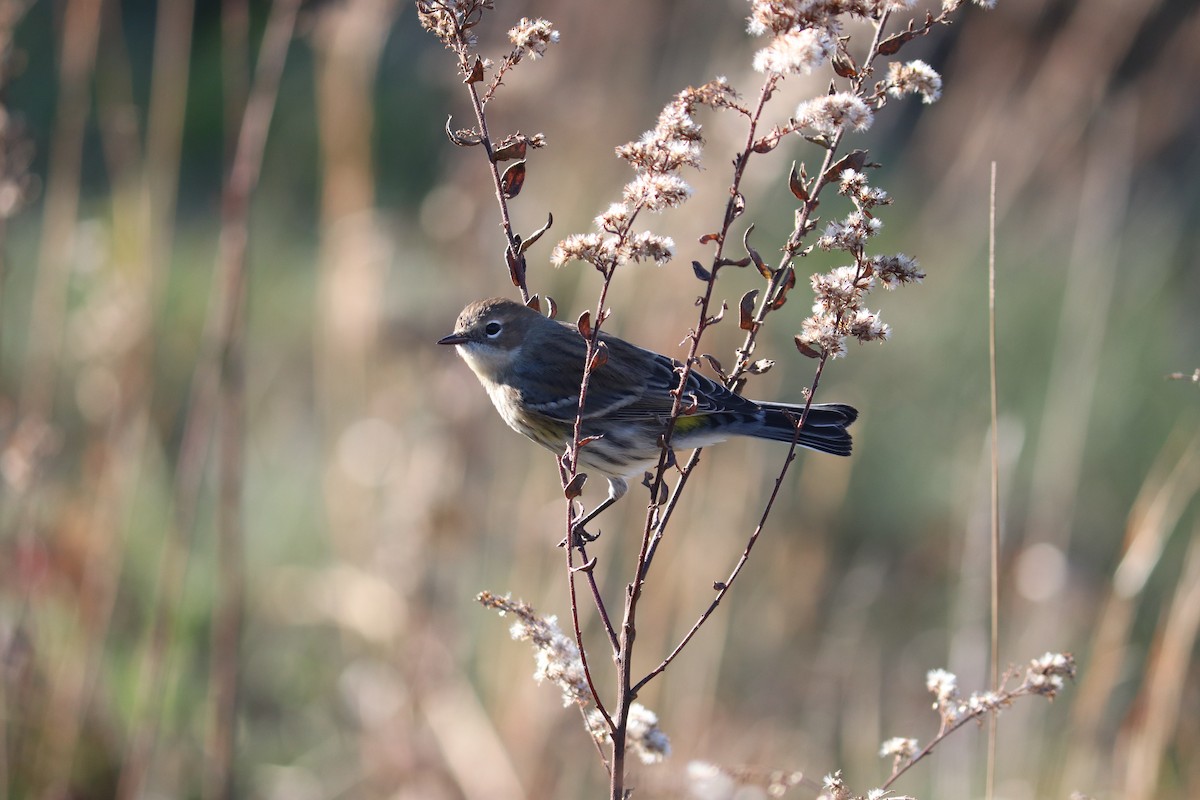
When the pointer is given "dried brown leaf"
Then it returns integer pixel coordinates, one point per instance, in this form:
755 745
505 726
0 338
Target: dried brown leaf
512 180
746 309
575 487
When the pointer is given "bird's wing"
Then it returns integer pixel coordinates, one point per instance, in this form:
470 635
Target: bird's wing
634 384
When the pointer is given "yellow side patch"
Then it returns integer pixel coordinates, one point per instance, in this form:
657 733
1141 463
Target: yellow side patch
686 424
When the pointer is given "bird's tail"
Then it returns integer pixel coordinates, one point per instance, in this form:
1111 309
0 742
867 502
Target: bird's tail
824 429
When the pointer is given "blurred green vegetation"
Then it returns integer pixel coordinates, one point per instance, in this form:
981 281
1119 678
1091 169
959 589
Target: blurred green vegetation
381 492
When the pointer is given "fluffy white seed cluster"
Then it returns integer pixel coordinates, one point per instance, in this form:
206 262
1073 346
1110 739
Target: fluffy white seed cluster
943 686
833 113
1044 677
853 184
642 734
914 77
1047 675
839 312
900 748
656 157
780 16
531 37
441 19
556 654
797 51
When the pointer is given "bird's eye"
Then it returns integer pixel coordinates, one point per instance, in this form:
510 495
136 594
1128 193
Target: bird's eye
492 329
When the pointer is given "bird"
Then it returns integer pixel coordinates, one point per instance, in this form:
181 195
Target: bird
531 367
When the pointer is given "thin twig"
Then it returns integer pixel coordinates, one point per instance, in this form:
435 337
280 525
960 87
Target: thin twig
723 587
995 483
657 527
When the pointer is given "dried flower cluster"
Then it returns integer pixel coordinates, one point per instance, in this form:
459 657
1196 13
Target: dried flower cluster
914 77
834 787
1044 676
558 660
800 51
451 20
657 157
835 113
642 734
530 38
838 306
556 654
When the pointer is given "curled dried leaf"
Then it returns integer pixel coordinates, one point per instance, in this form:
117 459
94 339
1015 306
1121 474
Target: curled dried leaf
535 303
512 147
584 324
701 272
464 137
551 307
715 365
855 160
843 63
525 245
574 487
670 461
746 309
717 317
739 205
766 144
599 357
516 266
760 366
512 180
806 349
763 269
710 237
796 183
476 74
789 283
891 45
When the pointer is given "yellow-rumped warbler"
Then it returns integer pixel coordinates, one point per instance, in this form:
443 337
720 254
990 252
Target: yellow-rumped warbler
531 367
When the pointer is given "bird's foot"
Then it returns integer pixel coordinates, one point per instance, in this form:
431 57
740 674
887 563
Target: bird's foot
579 536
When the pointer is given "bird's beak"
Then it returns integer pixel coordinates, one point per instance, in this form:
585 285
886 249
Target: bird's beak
454 338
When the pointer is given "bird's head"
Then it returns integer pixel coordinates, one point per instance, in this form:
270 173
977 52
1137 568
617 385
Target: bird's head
489 335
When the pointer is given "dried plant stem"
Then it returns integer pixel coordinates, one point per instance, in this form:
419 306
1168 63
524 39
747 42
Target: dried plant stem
723 587
569 468
576 626
995 483
467 67
514 254
656 522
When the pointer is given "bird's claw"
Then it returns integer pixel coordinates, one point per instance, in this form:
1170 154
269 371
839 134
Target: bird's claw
579 536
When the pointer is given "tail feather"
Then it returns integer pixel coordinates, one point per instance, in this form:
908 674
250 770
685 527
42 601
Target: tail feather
825 429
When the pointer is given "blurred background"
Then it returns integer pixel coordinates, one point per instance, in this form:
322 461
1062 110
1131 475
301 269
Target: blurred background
323 557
